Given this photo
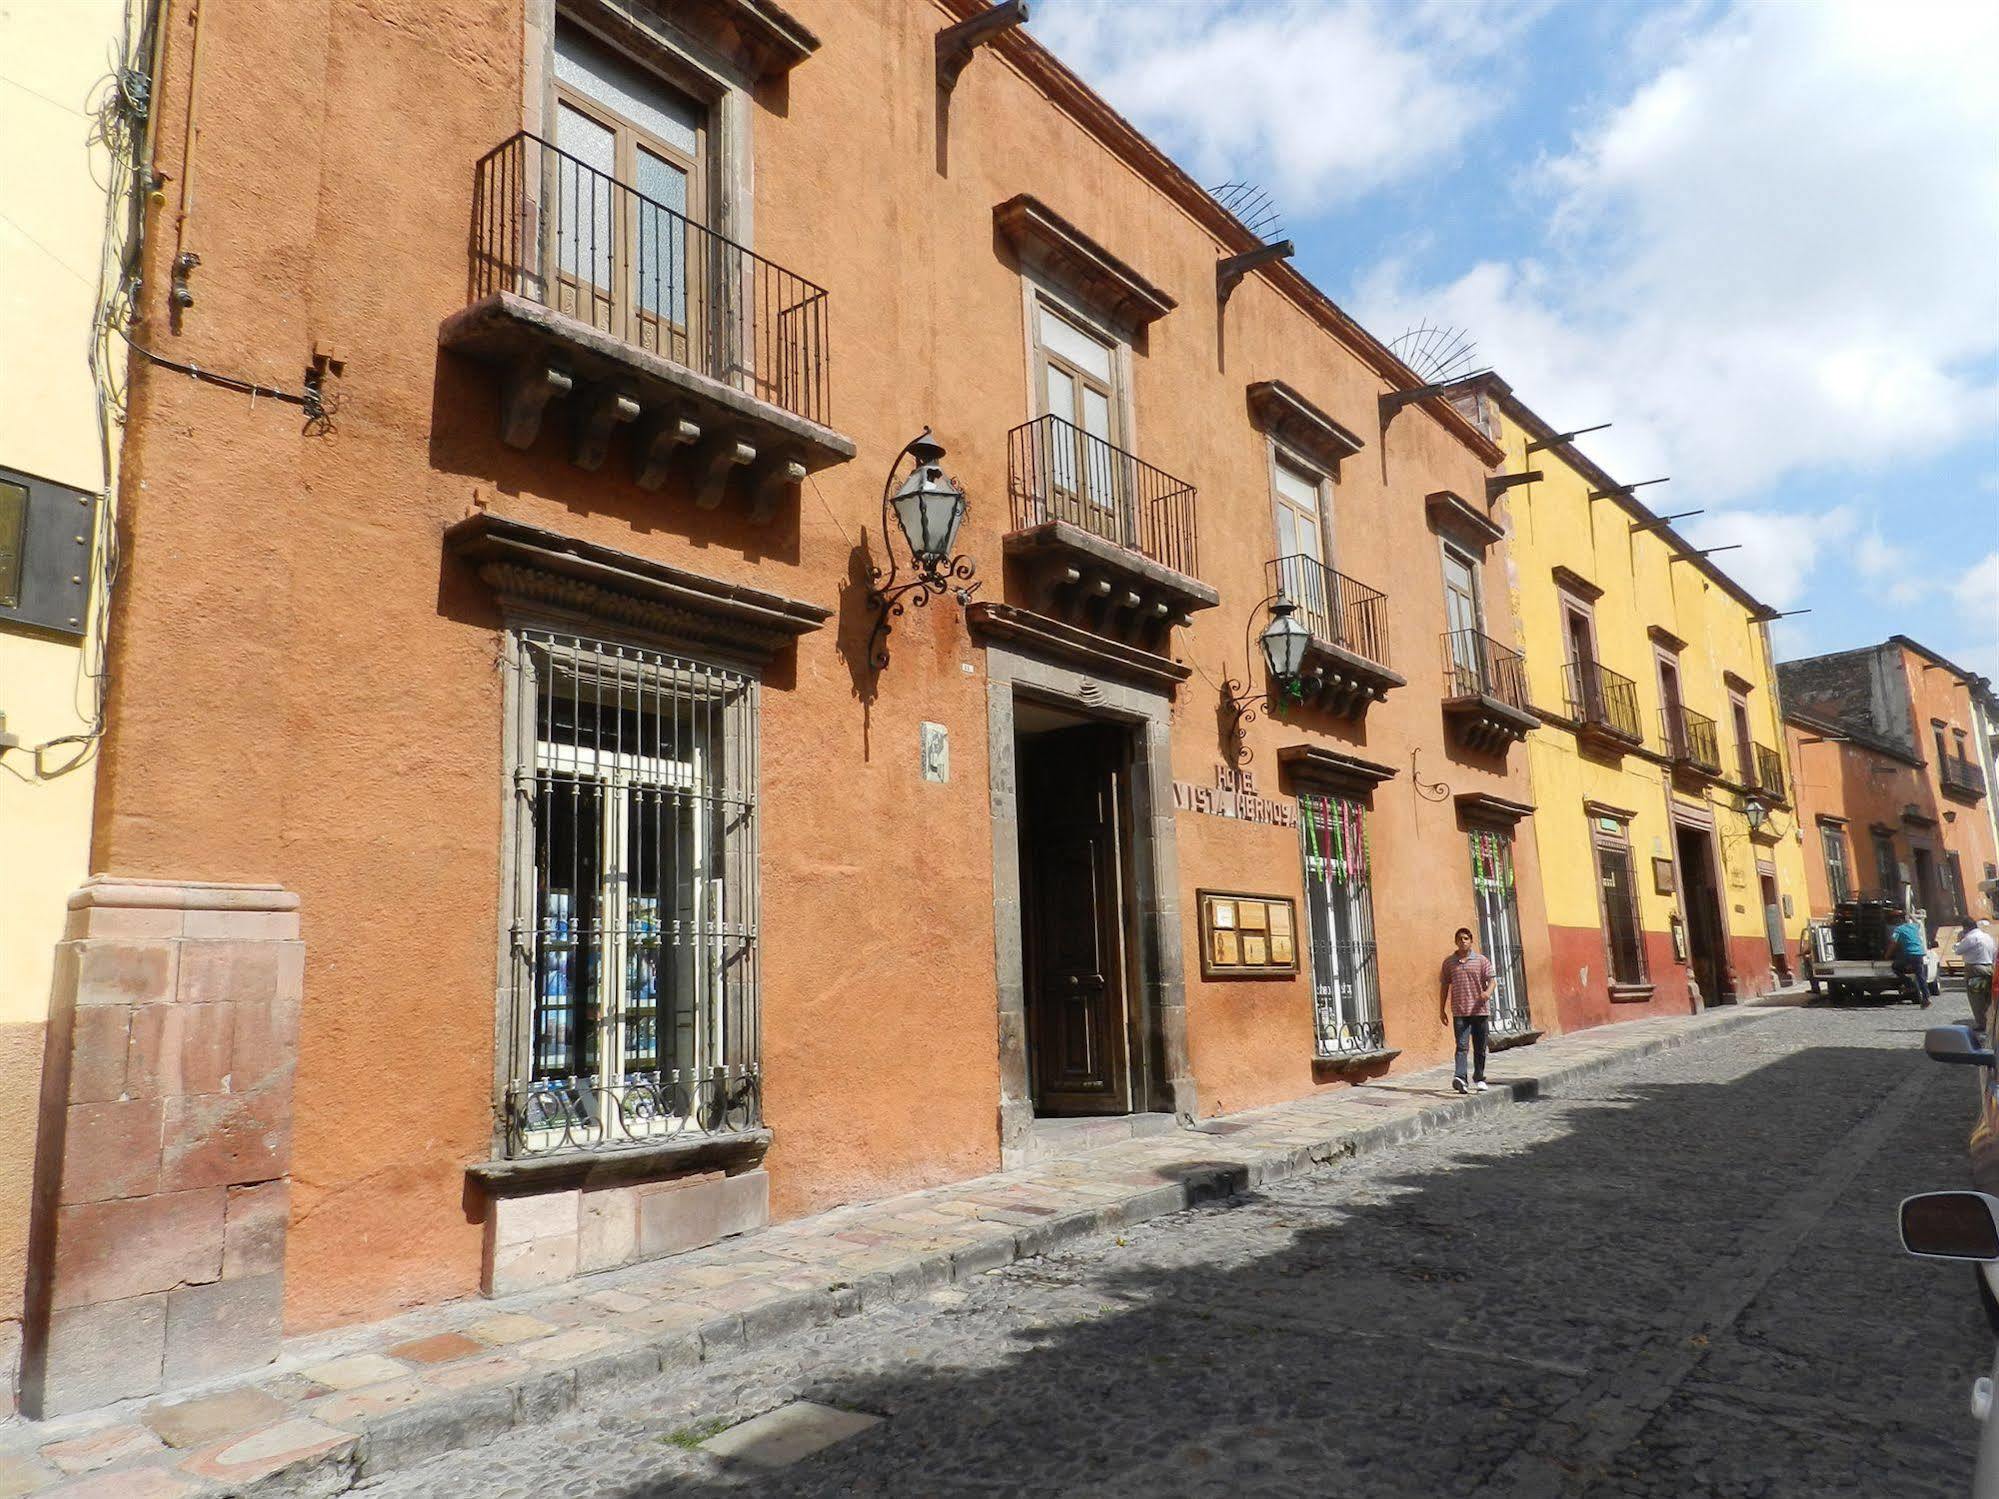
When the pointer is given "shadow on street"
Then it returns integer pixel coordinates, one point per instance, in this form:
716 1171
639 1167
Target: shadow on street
1686 1289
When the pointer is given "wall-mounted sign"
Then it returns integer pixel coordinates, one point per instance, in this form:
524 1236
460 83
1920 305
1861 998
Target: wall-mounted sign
1234 795
1247 936
935 756
1662 876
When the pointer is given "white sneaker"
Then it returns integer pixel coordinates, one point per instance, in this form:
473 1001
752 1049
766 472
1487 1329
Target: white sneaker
1481 1087
1458 1085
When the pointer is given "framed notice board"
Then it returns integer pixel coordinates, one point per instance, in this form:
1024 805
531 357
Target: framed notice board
1247 936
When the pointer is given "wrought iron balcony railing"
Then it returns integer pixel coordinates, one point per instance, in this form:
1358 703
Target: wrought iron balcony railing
1691 739
1959 774
1600 698
1769 772
1333 606
1476 665
553 229
1058 472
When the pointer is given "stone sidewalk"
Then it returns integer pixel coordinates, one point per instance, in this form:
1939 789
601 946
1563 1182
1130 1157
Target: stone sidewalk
343 1407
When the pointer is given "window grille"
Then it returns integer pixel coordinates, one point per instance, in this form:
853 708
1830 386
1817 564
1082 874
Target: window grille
1887 875
1499 929
1620 913
634 902
1834 842
1346 989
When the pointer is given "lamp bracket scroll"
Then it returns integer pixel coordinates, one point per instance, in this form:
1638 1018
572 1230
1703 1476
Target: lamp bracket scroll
928 507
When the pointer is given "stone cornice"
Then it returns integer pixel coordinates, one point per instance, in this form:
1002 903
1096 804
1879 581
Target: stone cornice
1452 512
528 567
1298 424
1490 809
1316 766
1074 647
1576 583
1050 244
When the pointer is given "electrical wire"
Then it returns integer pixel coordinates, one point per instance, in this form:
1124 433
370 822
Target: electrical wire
120 104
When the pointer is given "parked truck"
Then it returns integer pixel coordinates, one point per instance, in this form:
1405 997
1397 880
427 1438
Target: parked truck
1846 958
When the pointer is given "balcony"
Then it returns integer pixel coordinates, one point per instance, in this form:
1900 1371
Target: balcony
1691 741
1104 539
633 316
1960 777
1485 691
1603 705
1346 654
1770 774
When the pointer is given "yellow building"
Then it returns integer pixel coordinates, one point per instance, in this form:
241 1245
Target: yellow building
1666 831
70 137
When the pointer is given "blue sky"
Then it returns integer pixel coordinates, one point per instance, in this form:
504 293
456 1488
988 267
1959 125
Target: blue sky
1761 237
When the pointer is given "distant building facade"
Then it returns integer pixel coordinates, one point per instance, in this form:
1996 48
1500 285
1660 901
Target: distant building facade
1894 779
1664 816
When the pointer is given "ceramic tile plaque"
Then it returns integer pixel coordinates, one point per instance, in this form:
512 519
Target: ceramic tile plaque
1248 936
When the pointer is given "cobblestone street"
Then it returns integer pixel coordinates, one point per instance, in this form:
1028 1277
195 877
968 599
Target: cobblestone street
1676 1277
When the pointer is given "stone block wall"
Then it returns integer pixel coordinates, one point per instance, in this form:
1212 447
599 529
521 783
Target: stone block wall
162 1189
541 1238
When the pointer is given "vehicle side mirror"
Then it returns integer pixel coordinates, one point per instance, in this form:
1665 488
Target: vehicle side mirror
1957 1043
1951 1226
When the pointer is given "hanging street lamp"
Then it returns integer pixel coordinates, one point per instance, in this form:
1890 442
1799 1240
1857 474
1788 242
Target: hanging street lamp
929 506
1282 641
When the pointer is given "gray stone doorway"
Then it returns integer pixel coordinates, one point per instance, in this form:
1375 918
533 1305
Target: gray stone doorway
1028 698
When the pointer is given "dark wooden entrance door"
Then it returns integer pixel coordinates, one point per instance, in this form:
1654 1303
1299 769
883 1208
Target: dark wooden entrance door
1705 936
1072 888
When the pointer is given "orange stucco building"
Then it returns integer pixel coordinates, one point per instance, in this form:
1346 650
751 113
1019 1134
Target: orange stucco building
506 718
1891 780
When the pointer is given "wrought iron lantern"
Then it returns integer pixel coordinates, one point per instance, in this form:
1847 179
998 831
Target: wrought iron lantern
929 506
1283 641
1756 810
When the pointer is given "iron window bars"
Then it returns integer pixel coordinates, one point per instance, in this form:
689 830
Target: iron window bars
1958 773
1057 471
1594 694
634 902
1499 929
1833 841
1333 606
1770 772
1476 665
1624 935
1339 900
1691 739
550 227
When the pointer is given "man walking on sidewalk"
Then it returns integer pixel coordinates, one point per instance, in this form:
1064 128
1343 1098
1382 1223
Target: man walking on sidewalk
1468 980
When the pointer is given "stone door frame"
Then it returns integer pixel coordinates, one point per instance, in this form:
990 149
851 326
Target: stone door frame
1162 1077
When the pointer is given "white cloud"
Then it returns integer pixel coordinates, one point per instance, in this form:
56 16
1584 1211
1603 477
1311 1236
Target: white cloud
1975 593
1777 556
1319 101
1893 569
1774 256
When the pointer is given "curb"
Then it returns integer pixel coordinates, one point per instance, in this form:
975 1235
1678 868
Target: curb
401 1438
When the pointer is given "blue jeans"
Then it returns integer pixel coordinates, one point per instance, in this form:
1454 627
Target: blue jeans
1472 1033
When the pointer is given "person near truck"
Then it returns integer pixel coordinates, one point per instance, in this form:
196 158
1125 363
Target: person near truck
1976 947
1907 947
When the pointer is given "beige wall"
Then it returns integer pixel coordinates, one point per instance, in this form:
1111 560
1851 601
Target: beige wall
51 178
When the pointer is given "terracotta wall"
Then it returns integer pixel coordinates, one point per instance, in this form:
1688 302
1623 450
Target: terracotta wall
1874 786
306 689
